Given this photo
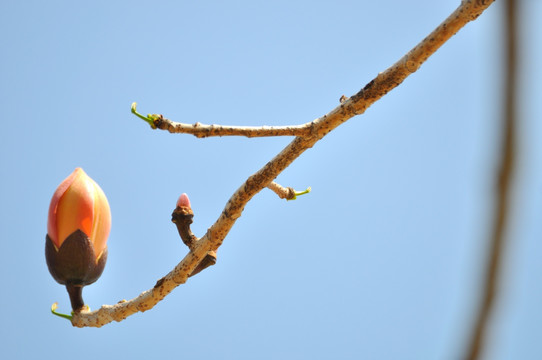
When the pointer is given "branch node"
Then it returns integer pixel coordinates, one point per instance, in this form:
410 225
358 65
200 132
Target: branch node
299 193
158 284
411 66
287 193
151 119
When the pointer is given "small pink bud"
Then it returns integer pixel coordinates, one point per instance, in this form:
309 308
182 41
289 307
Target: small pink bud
183 201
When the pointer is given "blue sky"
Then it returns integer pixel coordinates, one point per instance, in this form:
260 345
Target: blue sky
381 261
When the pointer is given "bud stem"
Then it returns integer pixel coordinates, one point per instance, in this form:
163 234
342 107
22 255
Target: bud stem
298 193
53 310
76 296
149 118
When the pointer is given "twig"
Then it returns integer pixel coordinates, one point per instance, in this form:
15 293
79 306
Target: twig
503 188
287 193
201 130
355 105
157 121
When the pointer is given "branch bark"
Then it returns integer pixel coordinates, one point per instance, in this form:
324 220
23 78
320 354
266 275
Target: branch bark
202 130
355 105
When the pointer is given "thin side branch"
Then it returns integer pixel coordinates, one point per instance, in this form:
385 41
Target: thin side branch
287 193
202 130
281 191
158 121
356 105
503 185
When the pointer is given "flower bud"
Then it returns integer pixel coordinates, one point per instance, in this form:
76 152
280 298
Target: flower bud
182 217
77 229
183 201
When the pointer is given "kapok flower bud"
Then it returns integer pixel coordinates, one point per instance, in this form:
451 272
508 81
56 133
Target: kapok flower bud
77 229
182 217
183 201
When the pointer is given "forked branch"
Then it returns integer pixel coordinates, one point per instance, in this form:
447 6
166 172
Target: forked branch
355 105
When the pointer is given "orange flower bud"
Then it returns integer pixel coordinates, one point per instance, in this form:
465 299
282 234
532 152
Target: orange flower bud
77 229
79 204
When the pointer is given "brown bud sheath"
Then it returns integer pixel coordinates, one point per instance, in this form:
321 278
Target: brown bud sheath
75 262
182 217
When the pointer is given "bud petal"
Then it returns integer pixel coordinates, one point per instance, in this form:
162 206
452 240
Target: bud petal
101 224
79 204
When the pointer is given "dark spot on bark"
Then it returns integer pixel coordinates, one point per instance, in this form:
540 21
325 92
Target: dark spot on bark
159 283
369 85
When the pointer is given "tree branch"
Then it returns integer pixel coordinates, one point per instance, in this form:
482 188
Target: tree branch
355 105
199 130
503 184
